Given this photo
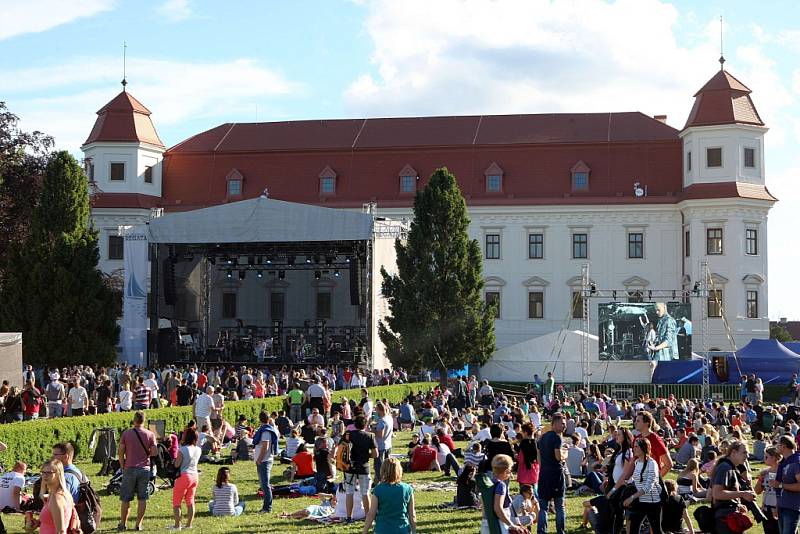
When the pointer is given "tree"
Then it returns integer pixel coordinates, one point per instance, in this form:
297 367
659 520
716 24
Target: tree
778 332
437 316
23 157
53 291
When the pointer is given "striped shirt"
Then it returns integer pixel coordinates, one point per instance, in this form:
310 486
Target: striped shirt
474 458
225 499
143 396
647 481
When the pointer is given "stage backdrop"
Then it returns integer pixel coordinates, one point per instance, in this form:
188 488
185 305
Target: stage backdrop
624 326
134 312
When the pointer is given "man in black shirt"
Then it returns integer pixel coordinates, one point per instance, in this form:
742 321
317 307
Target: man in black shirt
363 449
184 394
103 396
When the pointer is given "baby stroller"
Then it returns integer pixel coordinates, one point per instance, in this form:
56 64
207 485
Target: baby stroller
115 484
165 466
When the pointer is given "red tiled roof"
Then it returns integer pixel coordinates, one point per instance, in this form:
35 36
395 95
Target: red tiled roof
125 200
464 131
727 190
723 100
124 119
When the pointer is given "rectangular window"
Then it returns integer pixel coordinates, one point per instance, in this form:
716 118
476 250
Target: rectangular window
493 299
116 247
229 305
148 175
686 244
750 158
713 157
494 183
636 245
323 305
714 241
276 306
689 161
751 242
492 246
577 305
580 246
580 180
234 188
408 184
117 172
752 304
715 303
327 185
535 305
90 170
535 246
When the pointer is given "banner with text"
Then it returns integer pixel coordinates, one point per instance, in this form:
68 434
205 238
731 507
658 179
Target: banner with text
134 309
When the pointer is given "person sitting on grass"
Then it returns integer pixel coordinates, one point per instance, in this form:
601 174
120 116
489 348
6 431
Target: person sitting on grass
475 455
424 457
445 458
392 504
302 464
226 496
292 442
466 488
524 507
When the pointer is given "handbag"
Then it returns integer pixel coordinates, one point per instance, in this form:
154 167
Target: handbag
738 522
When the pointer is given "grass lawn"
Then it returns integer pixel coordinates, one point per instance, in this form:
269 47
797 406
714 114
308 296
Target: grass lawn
159 511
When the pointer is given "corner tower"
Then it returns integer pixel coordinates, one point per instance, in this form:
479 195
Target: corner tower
724 208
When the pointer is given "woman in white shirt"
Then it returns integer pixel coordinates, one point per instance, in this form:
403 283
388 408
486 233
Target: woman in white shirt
185 487
125 398
445 457
648 490
535 416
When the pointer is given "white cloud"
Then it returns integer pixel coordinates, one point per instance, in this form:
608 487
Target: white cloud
33 16
175 10
517 56
174 91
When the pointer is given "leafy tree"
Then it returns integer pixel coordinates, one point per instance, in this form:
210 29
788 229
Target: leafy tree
778 332
23 157
437 316
53 291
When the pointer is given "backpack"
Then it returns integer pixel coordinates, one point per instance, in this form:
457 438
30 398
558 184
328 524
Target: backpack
486 485
87 506
343 462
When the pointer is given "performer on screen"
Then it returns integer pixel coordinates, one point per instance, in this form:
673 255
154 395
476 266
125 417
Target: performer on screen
665 346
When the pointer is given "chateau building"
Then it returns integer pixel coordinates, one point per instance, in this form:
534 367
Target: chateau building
643 203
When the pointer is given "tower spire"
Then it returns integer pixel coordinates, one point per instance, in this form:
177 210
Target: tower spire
721 55
124 58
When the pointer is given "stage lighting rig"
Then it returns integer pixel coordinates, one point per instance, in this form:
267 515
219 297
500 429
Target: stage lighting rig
329 260
308 259
228 274
317 275
242 274
336 273
251 260
260 274
281 275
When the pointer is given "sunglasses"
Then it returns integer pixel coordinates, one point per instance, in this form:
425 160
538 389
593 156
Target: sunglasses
48 472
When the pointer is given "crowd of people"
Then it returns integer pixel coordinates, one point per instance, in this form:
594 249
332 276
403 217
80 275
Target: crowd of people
640 462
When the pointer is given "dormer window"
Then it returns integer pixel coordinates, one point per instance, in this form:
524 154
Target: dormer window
714 157
580 176
88 165
235 184
327 181
750 158
408 179
117 172
494 178
148 175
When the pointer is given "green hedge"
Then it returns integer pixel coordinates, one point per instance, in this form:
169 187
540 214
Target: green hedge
32 441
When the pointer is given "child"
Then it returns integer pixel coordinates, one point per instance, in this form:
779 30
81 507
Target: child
475 456
524 508
466 488
497 509
675 513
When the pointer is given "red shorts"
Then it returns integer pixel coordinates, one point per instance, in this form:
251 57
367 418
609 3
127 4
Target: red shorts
184 491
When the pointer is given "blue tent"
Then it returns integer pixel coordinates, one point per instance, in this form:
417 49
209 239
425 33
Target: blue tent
682 372
793 346
766 349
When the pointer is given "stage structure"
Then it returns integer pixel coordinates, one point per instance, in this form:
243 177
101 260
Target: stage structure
259 281
672 299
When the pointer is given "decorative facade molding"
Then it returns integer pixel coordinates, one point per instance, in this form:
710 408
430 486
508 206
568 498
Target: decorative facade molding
636 282
718 279
577 281
493 170
324 282
408 170
753 279
493 281
327 172
535 281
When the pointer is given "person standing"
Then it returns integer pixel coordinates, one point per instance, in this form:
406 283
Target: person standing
549 388
472 390
203 407
552 480
31 401
58 504
384 429
125 398
265 442
295 396
141 395
665 347
136 446
315 395
648 490
658 451
727 492
392 508
363 447
787 484
102 397
185 487
78 399
55 397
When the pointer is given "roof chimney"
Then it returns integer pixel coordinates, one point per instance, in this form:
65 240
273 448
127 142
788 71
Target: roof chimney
660 118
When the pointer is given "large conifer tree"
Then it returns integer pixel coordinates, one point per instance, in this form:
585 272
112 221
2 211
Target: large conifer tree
438 319
53 291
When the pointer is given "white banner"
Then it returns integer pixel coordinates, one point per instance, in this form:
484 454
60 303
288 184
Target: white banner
134 309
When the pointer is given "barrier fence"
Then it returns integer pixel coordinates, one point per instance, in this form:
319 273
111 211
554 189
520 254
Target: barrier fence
720 392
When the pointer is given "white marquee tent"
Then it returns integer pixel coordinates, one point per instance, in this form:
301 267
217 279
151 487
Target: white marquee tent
560 352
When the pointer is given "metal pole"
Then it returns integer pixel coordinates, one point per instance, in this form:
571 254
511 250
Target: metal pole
585 294
152 348
206 304
704 276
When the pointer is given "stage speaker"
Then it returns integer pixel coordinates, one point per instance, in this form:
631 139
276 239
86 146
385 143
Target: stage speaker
168 278
167 345
355 281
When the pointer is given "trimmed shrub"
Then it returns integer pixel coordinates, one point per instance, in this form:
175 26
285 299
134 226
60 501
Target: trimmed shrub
32 441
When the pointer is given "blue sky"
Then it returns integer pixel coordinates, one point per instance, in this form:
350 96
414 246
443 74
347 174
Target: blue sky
197 64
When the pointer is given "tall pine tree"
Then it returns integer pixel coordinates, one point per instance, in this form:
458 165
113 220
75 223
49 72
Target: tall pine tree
52 291
438 319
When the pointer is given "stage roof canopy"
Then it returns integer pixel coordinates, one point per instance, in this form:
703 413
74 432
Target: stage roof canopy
765 349
261 220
